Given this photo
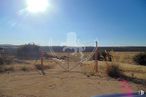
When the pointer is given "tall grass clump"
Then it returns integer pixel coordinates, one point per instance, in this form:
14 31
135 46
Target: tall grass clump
2 69
114 71
24 68
140 59
6 60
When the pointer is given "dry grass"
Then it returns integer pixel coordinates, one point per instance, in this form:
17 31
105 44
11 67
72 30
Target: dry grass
29 65
130 70
66 84
123 57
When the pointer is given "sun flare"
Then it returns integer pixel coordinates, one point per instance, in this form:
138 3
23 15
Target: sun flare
36 6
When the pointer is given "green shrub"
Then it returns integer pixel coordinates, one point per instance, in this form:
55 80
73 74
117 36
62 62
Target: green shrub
140 59
114 71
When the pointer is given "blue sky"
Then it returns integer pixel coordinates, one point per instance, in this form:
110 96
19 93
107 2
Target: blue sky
111 22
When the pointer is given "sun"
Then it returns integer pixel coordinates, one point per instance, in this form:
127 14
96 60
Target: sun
37 6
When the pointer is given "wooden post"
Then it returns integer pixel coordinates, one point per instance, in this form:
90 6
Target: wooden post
68 61
42 58
96 58
42 63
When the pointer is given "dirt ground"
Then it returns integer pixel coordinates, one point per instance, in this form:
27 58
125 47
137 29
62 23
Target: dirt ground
57 83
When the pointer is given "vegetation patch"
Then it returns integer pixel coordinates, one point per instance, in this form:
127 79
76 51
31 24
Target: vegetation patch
28 51
140 59
114 71
24 68
6 60
3 69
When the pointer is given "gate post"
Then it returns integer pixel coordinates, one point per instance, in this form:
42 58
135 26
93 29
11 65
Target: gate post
42 63
96 58
68 61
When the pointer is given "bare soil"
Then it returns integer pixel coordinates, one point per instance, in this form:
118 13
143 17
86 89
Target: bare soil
58 83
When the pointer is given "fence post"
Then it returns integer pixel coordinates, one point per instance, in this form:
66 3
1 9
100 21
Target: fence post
42 63
96 58
68 61
42 58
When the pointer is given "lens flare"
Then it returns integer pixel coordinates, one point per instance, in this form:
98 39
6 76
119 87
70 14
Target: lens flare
36 6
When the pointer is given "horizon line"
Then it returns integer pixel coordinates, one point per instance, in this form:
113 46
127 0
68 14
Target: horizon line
78 46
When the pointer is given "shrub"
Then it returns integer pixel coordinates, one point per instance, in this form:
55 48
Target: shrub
41 68
114 71
9 68
24 68
6 60
107 55
1 61
28 51
140 59
2 69
99 57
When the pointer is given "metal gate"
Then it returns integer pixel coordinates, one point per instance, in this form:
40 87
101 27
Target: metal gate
71 59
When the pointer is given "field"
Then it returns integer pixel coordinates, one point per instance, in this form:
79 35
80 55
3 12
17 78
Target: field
25 81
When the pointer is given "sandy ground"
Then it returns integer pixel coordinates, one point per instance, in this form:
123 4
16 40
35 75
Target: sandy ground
57 83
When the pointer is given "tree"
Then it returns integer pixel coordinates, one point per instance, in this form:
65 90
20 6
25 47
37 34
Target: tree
28 51
140 59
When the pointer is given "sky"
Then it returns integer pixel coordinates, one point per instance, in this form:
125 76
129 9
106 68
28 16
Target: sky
110 22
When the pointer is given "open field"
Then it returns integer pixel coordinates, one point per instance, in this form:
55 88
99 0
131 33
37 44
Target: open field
72 48
57 83
124 57
79 82
130 70
60 84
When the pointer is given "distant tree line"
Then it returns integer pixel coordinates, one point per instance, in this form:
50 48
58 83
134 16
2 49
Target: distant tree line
101 49
12 49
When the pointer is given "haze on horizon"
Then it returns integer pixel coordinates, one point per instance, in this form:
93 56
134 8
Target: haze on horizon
110 22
